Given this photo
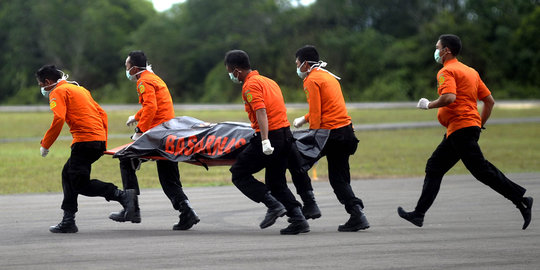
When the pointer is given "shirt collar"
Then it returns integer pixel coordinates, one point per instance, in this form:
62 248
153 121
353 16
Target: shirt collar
451 61
144 72
251 74
61 82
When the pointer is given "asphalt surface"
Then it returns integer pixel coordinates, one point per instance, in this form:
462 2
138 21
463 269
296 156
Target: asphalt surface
469 227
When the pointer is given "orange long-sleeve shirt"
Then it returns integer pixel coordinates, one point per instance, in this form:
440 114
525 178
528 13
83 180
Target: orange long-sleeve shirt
465 83
75 106
156 101
259 92
327 108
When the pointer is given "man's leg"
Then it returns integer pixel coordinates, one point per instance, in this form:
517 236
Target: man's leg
302 182
129 182
442 159
128 173
69 205
340 145
251 160
276 181
465 141
340 178
76 175
85 154
169 178
69 202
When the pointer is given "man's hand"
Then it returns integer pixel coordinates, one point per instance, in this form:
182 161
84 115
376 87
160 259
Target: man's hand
44 151
298 122
131 121
136 135
423 103
267 147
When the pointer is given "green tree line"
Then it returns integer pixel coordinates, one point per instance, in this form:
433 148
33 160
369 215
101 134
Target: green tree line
382 49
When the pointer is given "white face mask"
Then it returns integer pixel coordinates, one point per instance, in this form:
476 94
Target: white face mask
129 76
438 57
234 79
134 76
301 74
44 92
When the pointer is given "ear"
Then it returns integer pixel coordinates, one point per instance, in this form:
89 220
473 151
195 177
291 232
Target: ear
306 66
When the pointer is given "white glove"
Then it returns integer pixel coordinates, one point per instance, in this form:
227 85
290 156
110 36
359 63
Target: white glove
44 151
298 122
423 103
136 135
267 147
131 121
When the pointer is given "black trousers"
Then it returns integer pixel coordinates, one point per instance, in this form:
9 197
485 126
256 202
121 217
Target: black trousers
252 160
463 145
340 145
76 175
169 178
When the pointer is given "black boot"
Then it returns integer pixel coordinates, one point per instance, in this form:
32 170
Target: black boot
188 217
67 225
413 217
275 210
357 221
525 207
131 212
298 222
120 216
310 209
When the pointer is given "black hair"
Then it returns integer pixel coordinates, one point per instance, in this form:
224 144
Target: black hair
452 42
138 59
307 53
237 59
48 72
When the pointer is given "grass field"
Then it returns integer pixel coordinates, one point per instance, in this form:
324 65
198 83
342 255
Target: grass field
386 153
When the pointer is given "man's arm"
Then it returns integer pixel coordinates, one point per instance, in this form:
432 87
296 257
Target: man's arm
104 120
58 107
52 133
262 120
443 100
314 115
103 115
147 98
489 102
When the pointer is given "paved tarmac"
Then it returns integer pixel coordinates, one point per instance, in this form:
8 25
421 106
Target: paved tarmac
469 227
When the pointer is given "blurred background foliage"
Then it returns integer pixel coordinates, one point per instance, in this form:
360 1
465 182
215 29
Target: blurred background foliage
383 50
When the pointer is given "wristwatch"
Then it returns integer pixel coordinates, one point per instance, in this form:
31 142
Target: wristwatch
138 130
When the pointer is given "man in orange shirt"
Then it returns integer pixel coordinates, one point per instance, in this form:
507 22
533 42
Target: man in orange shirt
327 110
157 107
268 149
459 88
87 121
